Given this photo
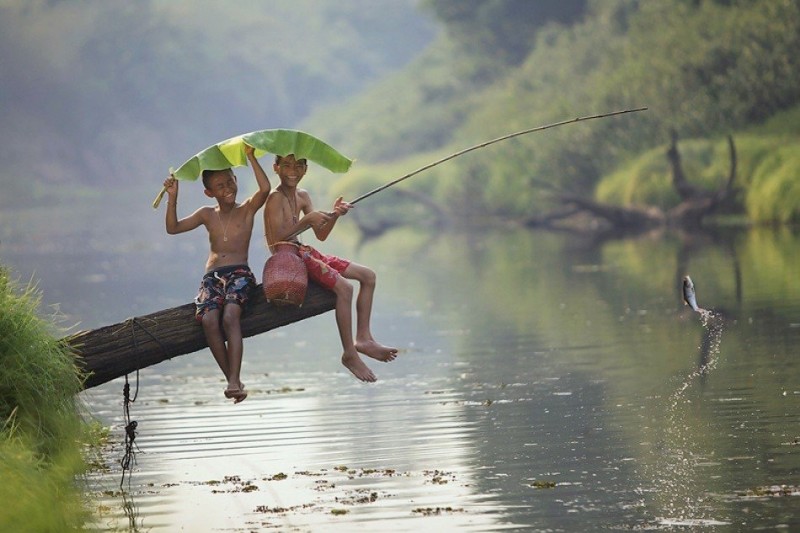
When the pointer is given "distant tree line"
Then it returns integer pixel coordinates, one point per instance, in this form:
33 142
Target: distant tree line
704 68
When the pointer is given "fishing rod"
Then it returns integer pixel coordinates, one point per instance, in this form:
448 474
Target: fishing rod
477 146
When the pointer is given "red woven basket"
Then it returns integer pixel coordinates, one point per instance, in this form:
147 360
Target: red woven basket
285 277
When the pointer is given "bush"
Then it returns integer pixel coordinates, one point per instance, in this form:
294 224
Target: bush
767 174
41 428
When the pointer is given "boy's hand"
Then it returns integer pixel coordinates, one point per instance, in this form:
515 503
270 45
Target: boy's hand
249 150
340 207
171 185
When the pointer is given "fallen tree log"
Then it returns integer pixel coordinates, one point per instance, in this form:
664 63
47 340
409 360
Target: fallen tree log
112 351
696 203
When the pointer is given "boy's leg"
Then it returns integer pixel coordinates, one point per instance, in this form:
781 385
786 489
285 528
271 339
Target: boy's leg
365 342
215 339
231 324
237 285
344 321
209 302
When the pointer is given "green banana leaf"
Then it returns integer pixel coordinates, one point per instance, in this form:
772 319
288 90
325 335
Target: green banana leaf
230 152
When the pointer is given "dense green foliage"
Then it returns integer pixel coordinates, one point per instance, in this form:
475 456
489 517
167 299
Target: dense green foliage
41 429
501 30
767 170
704 68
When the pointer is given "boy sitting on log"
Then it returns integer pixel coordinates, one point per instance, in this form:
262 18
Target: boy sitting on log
228 279
282 222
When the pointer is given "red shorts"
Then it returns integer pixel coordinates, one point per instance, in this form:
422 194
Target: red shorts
323 269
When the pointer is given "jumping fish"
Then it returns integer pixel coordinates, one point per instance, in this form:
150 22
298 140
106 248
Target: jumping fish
689 297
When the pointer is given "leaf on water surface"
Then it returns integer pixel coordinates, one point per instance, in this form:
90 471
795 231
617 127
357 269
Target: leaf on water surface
543 484
772 490
431 511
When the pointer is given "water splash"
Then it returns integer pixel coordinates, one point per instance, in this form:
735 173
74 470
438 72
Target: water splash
709 353
682 504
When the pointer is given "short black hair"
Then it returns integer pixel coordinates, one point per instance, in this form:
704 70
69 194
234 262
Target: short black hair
278 159
208 173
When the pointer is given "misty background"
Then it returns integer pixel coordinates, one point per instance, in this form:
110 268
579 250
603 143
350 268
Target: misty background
108 93
111 93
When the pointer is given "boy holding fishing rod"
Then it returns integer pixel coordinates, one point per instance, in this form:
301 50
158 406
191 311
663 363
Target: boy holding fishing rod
228 280
283 222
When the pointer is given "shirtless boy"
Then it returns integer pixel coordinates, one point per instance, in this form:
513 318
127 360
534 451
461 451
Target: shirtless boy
228 280
282 220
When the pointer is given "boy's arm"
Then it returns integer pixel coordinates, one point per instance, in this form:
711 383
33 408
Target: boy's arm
172 223
323 229
260 196
316 220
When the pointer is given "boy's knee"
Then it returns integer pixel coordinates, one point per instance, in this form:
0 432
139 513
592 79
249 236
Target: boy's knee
210 322
343 288
231 316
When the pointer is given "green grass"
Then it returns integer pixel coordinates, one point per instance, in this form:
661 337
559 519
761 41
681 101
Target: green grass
768 175
42 430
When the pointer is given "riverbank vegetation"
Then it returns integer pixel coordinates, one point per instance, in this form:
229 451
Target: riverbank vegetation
706 69
41 426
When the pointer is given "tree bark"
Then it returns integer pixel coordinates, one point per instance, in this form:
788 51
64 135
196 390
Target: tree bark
682 186
641 218
112 351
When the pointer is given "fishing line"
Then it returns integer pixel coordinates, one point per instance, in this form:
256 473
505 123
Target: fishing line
481 145
487 143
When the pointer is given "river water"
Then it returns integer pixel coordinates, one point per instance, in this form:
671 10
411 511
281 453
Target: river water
546 382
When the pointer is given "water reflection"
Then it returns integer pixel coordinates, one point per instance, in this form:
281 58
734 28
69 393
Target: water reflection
545 383
131 511
295 454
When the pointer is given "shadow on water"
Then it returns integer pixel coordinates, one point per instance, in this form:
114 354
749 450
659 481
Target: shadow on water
545 382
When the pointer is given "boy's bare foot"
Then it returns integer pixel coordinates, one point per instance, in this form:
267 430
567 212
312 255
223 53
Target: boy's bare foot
238 394
354 364
376 350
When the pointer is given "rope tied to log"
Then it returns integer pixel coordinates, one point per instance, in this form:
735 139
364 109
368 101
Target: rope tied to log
130 428
130 425
129 456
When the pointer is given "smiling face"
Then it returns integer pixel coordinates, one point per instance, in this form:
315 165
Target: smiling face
221 185
290 170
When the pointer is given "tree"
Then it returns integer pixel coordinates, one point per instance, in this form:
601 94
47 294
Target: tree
502 29
695 204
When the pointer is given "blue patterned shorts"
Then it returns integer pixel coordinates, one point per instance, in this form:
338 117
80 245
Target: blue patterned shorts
230 284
